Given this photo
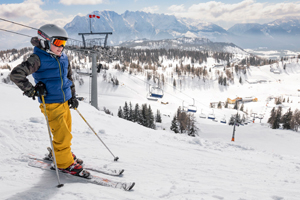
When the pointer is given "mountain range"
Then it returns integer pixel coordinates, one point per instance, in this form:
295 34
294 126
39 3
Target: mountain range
279 34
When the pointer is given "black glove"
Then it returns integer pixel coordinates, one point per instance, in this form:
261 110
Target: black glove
30 93
38 90
73 102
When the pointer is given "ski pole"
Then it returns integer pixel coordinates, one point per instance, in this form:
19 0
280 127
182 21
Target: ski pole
115 158
56 169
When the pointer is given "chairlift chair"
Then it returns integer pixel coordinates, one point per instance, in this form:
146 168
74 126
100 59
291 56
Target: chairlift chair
223 120
211 116
192 108
156 92
149 97
202 115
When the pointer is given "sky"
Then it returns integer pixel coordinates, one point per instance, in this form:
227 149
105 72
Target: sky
224 13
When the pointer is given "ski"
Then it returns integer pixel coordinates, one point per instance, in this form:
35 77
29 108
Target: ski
107 171
103 170
91 179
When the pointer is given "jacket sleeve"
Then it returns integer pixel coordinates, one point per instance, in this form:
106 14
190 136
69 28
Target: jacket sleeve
71 78
21 71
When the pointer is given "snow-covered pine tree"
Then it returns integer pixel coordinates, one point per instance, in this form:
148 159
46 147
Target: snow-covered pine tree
220 105
276 122
272 116
126 111
136 113
130 112
295 122
120 112
158 116
144 113
174 125
236 105
226 104
193 129
286 119
150 118
182 120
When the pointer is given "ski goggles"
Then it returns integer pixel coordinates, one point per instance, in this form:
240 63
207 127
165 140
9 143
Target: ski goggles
58 42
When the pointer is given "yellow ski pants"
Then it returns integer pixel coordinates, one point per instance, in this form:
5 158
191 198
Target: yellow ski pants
60 122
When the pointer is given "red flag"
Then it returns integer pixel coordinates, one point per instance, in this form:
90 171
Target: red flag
90 16
98 17
94 16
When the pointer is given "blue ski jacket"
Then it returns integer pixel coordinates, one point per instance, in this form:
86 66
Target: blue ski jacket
53 73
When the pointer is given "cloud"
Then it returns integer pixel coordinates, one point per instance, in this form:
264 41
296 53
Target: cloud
82 2
247 11
30 13
175 8
29 8
152 9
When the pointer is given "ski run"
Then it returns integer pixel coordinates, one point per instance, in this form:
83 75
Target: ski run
262 163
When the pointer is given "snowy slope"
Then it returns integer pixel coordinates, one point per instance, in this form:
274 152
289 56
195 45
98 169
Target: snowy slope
262 163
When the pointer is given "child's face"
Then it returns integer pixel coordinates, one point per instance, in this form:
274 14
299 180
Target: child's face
56 50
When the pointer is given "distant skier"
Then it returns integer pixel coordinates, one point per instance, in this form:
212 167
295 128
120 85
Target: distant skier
52 74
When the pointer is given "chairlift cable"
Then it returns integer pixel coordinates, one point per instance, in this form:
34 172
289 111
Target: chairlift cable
177 96
18 23
14 32
24 26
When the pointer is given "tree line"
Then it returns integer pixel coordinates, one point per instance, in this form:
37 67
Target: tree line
257 61
142 115
289 120
184 122
152 56
13 54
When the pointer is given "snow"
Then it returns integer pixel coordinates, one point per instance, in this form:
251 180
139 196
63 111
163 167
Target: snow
261 163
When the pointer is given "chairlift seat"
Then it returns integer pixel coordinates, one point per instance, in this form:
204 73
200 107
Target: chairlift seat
202 115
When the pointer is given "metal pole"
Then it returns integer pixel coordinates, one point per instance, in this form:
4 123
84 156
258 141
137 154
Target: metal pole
94 95
49 131
90 25
235 121
234 128
84 45
115 158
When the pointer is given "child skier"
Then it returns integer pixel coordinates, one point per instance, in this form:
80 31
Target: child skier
52 74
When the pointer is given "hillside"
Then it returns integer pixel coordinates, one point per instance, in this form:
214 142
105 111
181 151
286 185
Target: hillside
261 163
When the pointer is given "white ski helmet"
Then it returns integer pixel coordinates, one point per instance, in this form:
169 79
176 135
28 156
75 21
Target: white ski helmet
49 33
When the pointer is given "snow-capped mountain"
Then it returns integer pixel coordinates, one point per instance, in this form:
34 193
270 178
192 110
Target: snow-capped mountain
139 25
240 29
281 33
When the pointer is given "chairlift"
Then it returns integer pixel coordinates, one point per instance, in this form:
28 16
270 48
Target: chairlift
156 92
202 115
212 115
149 97
192 108
223 120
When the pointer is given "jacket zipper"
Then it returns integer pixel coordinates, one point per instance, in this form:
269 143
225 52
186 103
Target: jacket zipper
62 82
